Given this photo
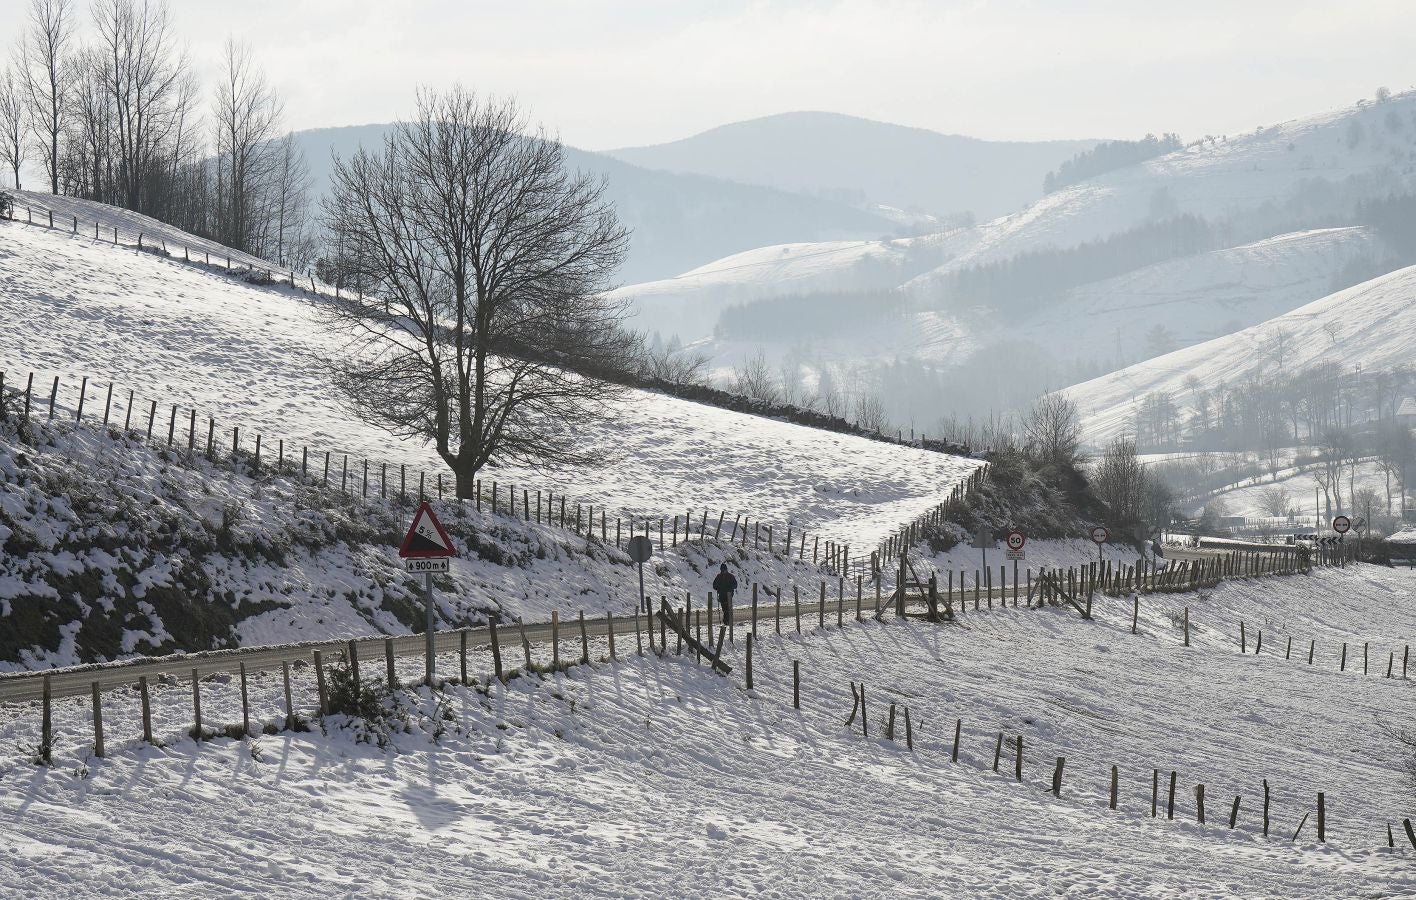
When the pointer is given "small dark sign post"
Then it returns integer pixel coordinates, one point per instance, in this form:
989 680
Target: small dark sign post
640 549
427 548
982 540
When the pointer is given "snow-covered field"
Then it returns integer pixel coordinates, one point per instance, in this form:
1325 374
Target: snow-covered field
251 357
654 778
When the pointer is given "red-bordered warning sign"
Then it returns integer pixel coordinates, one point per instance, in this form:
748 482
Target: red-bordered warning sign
425 538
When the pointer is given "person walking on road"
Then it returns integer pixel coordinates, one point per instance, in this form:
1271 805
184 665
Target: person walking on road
725 584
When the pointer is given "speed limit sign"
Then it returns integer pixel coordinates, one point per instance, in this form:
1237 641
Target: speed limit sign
1016 540
1100 535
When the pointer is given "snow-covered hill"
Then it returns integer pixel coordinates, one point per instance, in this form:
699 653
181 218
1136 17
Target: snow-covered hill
1197 298
1298 182
1192 299
251 356
1372 325
1359 151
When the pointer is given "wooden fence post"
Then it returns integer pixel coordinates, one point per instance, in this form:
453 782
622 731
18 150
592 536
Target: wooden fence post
1234 812
97 721
796 684
289 702
147 708
1200 803
1115 777
1322 819
496 648
749 665
555 640
584 641
1018 758
391 674
1057 776
1266 807
46 741
462 656
320 684
246 703
196 706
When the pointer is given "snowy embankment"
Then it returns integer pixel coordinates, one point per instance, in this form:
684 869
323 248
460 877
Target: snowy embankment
654 778
250 356
113 548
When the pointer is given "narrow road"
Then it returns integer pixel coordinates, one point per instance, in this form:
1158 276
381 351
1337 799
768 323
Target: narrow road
22 687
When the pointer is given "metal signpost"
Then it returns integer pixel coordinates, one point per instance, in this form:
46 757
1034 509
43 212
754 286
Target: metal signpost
426 548
640 549
1099 536
983 539
1015 541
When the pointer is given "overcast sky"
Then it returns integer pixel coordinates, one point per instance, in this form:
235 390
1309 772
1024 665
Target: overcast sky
624 72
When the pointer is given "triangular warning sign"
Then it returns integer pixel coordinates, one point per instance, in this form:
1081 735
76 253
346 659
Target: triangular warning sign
425 538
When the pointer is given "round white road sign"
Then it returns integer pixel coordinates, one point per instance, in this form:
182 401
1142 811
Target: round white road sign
1016 540
1341 524
1100 535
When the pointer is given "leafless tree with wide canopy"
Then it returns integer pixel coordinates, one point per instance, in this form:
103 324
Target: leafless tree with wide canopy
487 262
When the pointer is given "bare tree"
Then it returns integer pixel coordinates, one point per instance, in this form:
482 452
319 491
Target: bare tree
89 168
246 118
13 124
755 379
491 262
1278 346
291 188
870 413
1274 500
673 363
1395 452
144 74
44 72
1119 481
827 398
1052 428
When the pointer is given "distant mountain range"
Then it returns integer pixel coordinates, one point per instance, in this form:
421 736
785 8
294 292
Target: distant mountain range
789 178
678 221
1088 279
864 161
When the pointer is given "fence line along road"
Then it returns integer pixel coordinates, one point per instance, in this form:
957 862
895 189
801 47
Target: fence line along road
774 608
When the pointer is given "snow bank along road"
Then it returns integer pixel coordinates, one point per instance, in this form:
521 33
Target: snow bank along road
774 606
651 778
250 356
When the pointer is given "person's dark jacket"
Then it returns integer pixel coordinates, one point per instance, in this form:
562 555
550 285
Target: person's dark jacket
725 583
